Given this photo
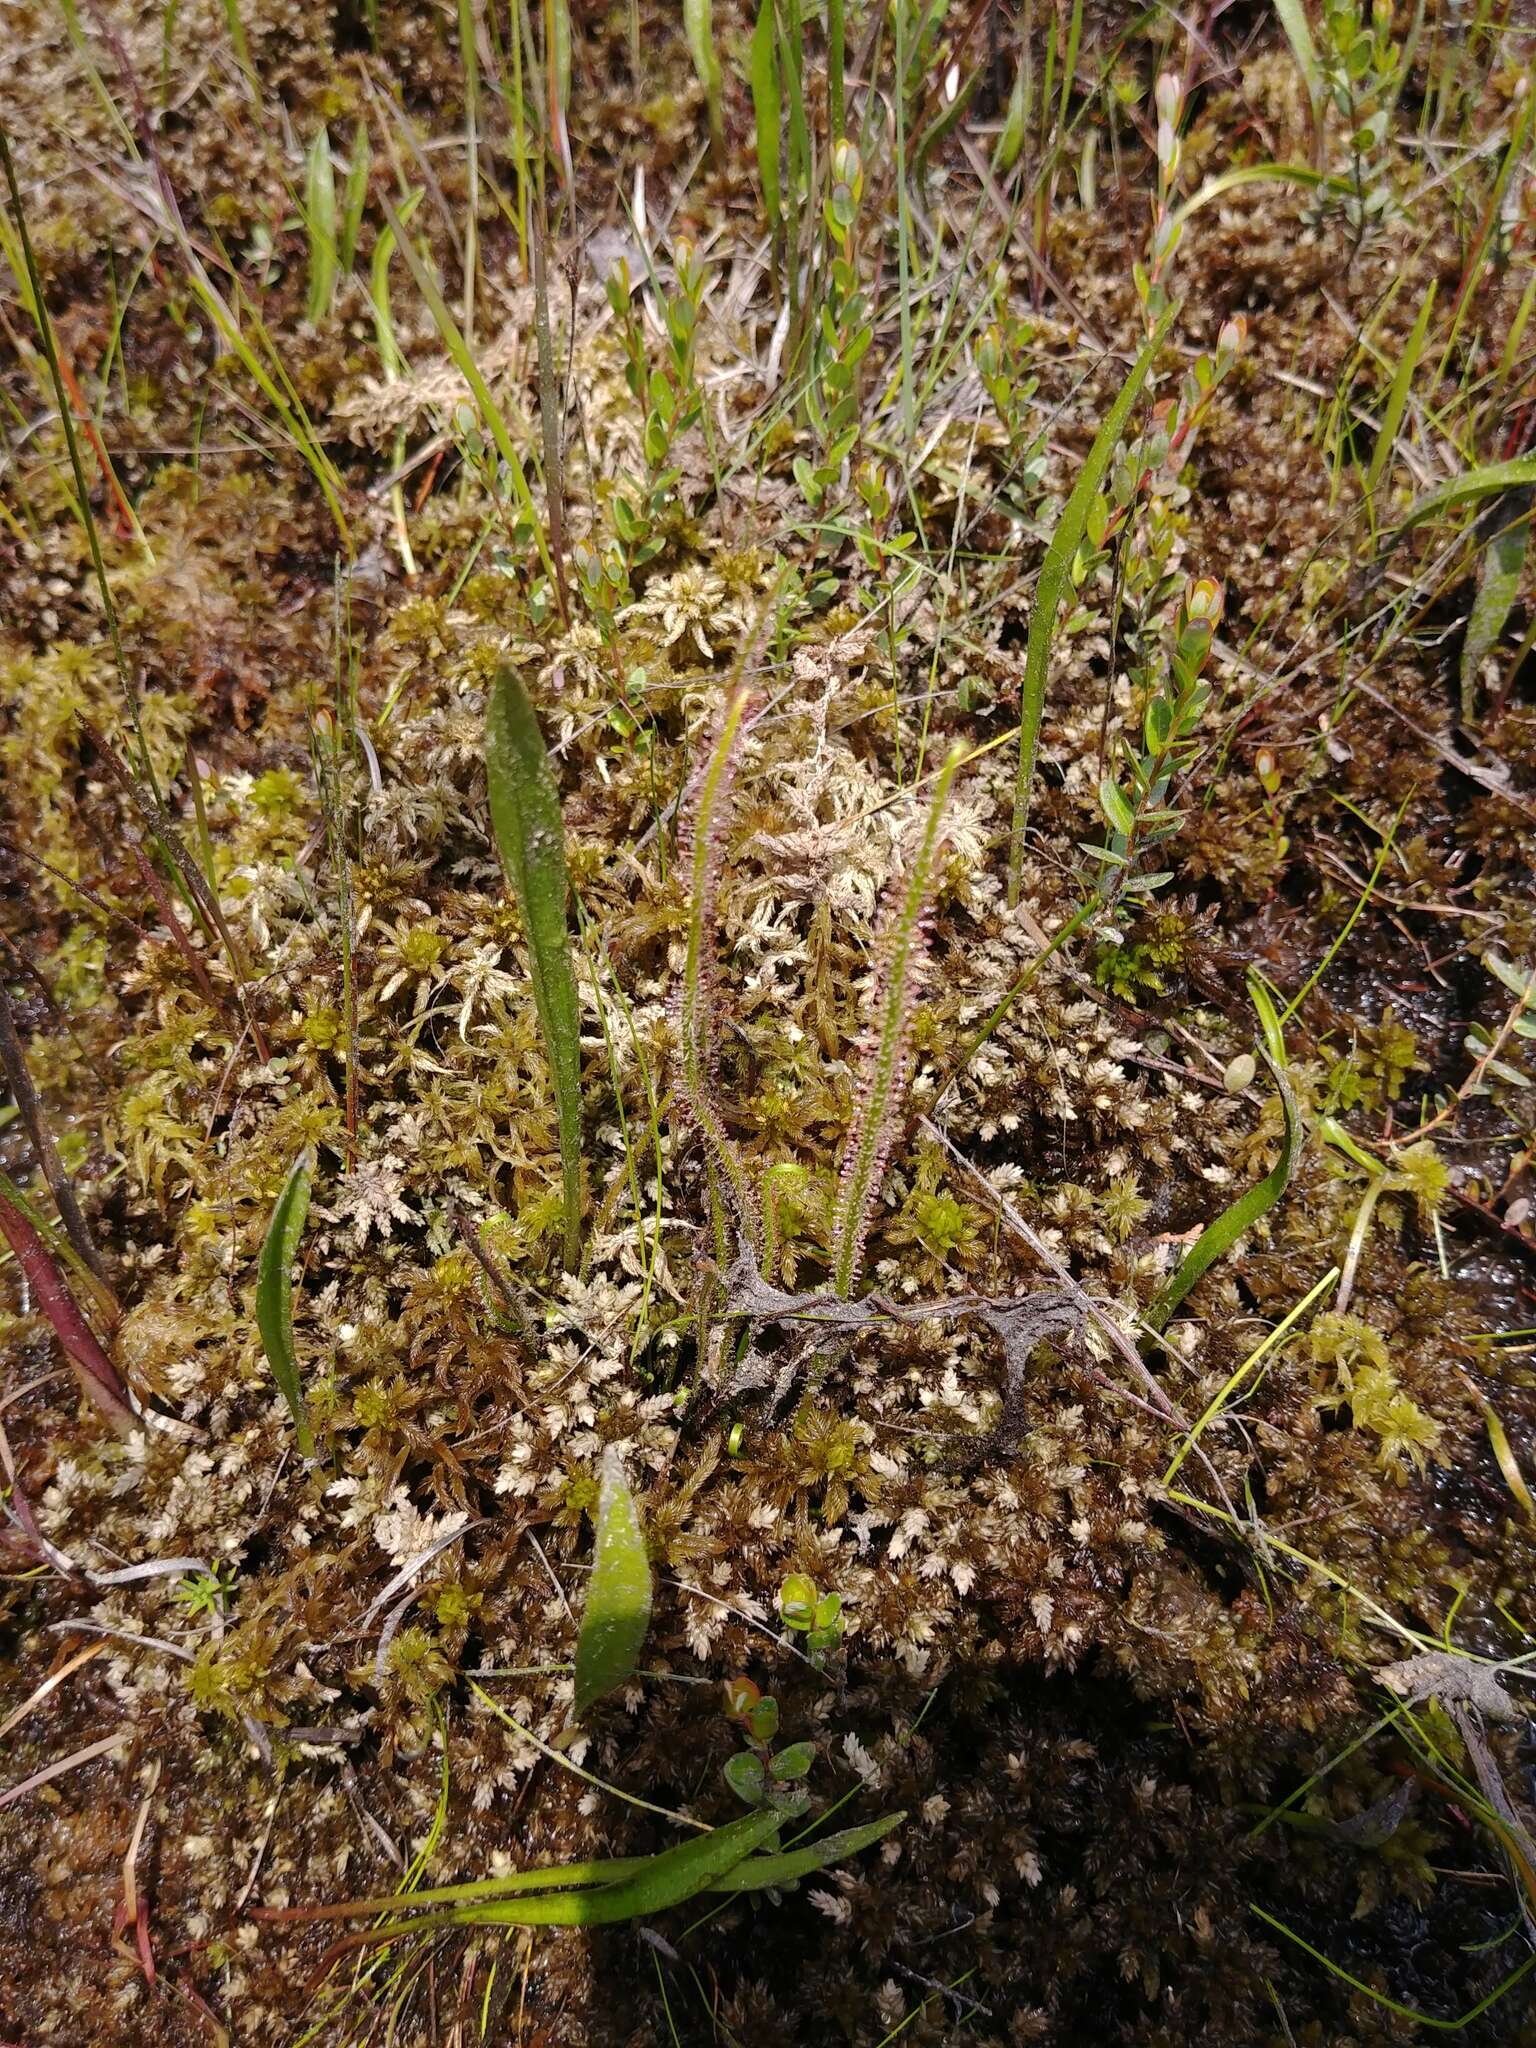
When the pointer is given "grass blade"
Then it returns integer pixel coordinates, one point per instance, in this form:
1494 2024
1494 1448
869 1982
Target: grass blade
274 1293
1218 1238
490 412
530 835
1053 581
767 107
1518 474
1397 397
659 1882
617 1612
1298 33
1255 1357
1258 174
1423 2019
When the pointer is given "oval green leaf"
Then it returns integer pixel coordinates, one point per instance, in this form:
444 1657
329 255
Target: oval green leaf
618 1606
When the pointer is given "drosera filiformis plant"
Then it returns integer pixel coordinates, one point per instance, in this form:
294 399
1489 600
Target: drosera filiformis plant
899 964
1141 1382
707 811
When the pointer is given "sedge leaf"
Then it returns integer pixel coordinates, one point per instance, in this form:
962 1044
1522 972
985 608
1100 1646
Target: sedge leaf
1517 474
767 107
1218 1237
274 1293
618 1605
525 814
1065 542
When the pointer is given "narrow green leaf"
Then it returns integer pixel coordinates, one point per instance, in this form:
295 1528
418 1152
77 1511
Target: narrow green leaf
1053 581
1298 33
1441 2026
354 198
752 1873
320 218
756 1873
618 1604
274 1293
1397 396
530 834
678 1874
1257 174
490 412
1218 1238
767 107
670 1879
1515 475
698 28
1015 126
1498 585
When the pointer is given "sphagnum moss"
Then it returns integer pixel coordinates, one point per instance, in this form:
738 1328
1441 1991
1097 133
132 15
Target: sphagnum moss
1083 1684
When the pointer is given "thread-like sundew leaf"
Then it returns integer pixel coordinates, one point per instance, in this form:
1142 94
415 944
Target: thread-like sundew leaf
617 1612
1054 571
274 1292
1218 1238
707 814
885 1067
530 834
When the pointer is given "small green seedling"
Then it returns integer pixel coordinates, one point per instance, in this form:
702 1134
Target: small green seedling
816 1616
759 1775
206 1593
